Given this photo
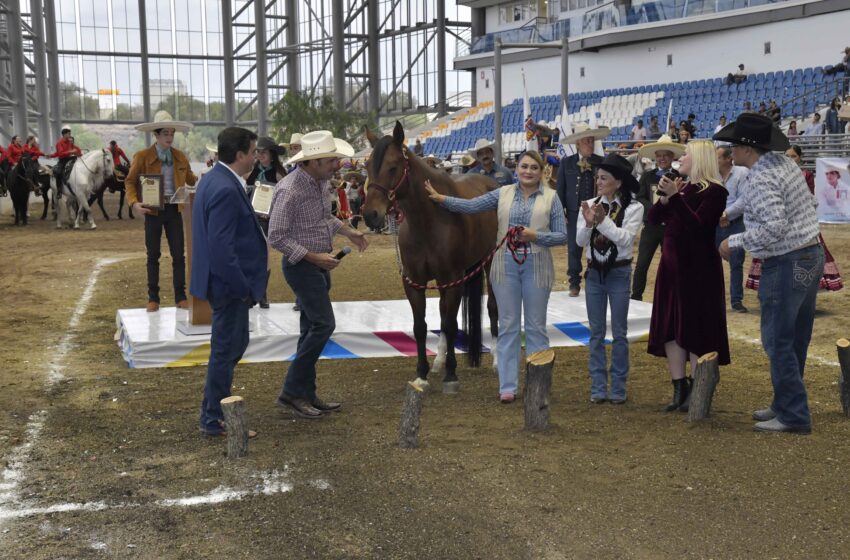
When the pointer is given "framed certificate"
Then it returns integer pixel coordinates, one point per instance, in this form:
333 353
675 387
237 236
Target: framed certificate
261 200
151 191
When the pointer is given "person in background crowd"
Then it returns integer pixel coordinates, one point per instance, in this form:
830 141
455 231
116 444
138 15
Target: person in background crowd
739 76
520 289
689 311
832 124
173 165
654 130
229 256
117 156
15 150
293 147
732 222
792 130
466 163
774 112
842 66
782 229
417 148
721 123
66 151
638 133
31 148
673 132
748 107
576 183
484 154
354 187
302 228
691 125
608 229
684 135
815 128
266 169
664 151
762 109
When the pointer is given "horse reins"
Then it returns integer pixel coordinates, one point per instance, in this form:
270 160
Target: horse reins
391 193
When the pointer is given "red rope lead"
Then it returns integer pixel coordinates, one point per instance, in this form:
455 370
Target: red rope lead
514 244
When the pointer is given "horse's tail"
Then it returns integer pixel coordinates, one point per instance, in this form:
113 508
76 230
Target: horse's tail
473 294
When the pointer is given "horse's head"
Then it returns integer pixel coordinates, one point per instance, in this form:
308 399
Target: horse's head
108 164
388 170
29 167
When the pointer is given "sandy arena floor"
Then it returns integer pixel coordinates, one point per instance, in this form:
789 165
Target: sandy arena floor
103 461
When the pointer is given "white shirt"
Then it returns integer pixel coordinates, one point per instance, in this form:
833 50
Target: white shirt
638 134
814 129
238 177
734 186
623 237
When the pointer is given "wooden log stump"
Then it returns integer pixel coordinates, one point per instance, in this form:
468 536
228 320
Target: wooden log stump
706 377
538 383
236 422
844 379
411 410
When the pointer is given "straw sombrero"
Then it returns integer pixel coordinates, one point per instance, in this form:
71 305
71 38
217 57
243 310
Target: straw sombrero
664 143
481 144
321 144
163 119
466 160
212 148
582 130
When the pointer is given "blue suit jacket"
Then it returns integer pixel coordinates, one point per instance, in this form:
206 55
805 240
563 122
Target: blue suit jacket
229 252
569 176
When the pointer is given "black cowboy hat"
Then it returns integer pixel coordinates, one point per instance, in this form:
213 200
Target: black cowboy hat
621 169
266 143
758 131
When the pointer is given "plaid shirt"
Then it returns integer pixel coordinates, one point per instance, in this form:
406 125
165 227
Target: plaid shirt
300 221
779 210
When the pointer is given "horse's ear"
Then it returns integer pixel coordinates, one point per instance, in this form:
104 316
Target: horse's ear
398 133
371 136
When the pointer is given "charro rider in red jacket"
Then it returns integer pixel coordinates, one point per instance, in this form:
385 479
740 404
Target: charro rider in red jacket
14 151
66 151
31 147
117 155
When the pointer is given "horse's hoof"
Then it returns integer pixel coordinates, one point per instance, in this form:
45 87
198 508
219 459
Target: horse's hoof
451 387
420 383
93 226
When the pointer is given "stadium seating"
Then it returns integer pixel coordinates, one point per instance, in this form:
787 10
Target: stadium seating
620 108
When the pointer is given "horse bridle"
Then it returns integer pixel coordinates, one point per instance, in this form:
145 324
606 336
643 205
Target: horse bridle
391 193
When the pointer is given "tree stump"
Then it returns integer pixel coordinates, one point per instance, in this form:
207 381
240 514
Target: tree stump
706 377
538 383
844 380
236 422
411 410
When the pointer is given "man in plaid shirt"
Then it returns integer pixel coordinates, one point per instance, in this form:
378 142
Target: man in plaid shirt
302 228
782 230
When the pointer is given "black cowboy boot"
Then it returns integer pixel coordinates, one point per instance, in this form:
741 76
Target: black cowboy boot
676 402
687 386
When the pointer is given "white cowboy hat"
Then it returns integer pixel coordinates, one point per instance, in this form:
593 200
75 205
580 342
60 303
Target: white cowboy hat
581 130
447 165
163 119
321 144
664 143
212 148
481 144
294 139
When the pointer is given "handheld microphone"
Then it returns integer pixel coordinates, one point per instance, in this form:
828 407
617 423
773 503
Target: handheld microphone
345 251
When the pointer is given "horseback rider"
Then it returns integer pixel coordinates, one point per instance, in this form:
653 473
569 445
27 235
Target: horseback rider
66 151
14 151
117 155
31 148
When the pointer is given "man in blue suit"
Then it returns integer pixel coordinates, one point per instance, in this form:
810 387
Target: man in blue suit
229 257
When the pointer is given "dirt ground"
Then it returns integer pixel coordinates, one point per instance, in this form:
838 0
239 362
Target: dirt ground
605 482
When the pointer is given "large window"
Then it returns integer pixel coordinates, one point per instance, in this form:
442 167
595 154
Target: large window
518 12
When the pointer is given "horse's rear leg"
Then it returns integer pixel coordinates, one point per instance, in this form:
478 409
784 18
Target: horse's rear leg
420 330
449 305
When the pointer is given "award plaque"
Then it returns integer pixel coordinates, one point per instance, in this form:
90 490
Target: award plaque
261 200
151 191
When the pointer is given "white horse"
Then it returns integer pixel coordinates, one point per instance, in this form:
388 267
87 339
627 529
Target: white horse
89 173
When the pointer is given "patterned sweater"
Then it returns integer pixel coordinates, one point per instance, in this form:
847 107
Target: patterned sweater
779 211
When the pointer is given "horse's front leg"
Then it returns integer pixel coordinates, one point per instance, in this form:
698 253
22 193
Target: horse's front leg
420 331
493 314
449 305
45 196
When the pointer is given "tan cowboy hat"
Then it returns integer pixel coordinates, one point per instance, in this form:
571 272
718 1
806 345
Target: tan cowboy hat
294 139
466 160
481 144
432 157
212 148
163 119
321 144
664 143
581 130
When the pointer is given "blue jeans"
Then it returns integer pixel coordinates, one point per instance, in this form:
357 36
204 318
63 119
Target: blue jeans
311 285
227 345
736 260
787 291
614 289
518 293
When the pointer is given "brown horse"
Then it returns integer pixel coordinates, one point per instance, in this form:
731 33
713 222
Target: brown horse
435 244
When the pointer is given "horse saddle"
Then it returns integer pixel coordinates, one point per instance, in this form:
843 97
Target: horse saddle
45 170
66 172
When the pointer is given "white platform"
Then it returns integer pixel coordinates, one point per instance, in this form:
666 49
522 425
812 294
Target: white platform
364 329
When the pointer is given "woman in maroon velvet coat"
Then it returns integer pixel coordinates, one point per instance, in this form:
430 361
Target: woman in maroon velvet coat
689 307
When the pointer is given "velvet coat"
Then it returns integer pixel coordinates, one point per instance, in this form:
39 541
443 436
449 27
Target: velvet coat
690 301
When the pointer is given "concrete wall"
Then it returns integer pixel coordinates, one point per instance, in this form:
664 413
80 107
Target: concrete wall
813 41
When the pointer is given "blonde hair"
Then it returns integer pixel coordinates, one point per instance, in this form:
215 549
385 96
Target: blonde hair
704 169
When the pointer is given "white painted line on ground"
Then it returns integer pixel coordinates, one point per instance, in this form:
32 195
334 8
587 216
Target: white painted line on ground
757 342
13 474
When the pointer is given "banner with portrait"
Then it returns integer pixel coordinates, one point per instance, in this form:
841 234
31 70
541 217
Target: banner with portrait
832 189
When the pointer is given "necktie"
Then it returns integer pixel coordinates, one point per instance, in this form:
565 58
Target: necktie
165 157
584 165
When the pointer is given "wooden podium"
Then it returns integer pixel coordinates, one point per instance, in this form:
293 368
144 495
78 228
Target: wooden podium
200 312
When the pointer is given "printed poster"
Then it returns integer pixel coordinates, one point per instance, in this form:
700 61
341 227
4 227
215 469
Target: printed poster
832 189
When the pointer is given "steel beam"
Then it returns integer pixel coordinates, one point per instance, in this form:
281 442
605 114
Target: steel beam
52 71
497 99
441 59
565 74
337 21
227 51
374 66
293 74
146 75
40 59
262 69
18 72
